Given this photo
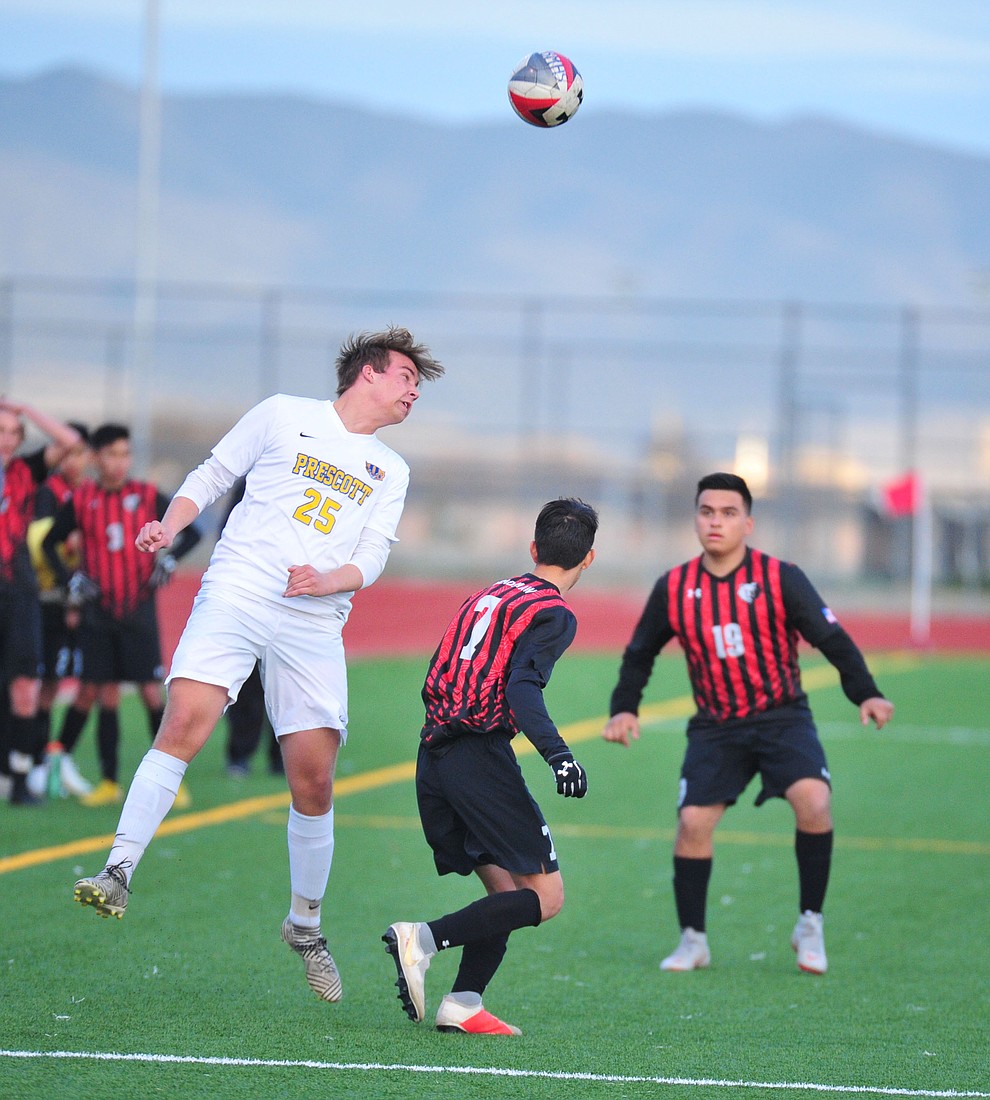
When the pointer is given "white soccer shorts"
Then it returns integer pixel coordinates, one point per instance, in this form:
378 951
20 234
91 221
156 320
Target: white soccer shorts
302 658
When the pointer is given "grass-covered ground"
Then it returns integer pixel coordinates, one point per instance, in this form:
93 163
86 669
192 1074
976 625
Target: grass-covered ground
195 984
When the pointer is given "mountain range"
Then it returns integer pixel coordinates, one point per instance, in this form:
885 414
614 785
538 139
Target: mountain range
283 190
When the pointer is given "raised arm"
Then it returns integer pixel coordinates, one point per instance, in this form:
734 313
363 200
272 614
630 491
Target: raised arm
160 534
62 436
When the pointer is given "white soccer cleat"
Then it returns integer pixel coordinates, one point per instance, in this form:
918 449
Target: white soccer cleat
808 940
37 780
411 962
690 954
73 781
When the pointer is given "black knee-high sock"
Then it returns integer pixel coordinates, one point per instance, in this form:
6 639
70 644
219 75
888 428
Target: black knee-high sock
22 740
155 720
479 961
73 723
43 720
691 891
6 744
108 742
487 918
814 860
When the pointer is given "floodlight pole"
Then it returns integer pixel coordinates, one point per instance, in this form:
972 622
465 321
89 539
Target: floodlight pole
908 372
921 566
922 520
6 335
789 365
146 250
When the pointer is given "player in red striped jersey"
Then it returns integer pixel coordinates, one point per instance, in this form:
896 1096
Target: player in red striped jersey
738 615
20 609
119 632
484 685
61 659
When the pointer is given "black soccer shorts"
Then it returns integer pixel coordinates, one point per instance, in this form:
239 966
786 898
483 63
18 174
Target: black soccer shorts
476 808
123 650
61 656
20 632
722 758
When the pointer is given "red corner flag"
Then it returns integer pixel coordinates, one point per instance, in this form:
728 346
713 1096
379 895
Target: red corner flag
902 496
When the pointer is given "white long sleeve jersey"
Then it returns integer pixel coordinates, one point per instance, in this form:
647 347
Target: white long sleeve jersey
312 488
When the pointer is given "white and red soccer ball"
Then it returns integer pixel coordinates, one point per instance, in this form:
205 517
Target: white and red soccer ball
545 89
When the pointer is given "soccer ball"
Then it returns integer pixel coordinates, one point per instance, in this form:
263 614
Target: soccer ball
545 89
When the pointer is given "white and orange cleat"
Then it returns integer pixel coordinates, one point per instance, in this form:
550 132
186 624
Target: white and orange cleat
471 1019
808 940
690 954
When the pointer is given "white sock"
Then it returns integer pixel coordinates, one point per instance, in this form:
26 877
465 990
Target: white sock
427 944
149 799
465 999
310 857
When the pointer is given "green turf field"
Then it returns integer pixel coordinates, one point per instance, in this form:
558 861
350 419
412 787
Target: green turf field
193 994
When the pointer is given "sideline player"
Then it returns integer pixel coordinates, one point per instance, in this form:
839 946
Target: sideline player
118 635
484 685
61 658
737 613
20 608
321 504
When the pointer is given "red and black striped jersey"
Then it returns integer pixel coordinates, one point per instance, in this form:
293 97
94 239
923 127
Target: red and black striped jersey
53 493
108 521
739 634
495 657
59 488
19 485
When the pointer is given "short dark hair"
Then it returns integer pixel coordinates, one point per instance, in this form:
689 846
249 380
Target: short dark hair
732 483
565 532
81 429
374 347
108 434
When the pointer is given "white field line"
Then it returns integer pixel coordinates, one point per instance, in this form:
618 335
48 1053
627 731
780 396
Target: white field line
491 1071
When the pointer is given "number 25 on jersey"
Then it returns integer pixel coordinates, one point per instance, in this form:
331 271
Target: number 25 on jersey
325 507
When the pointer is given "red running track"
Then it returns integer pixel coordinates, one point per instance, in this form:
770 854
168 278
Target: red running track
405 618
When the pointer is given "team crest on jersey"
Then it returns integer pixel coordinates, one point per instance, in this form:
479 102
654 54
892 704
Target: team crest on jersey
749 591
130 502
376 473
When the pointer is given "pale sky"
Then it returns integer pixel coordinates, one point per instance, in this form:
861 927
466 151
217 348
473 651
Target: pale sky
914 68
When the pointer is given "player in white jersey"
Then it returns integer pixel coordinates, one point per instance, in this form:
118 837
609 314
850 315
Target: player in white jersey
322 500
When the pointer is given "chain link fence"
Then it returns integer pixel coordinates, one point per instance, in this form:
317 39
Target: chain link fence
624 401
